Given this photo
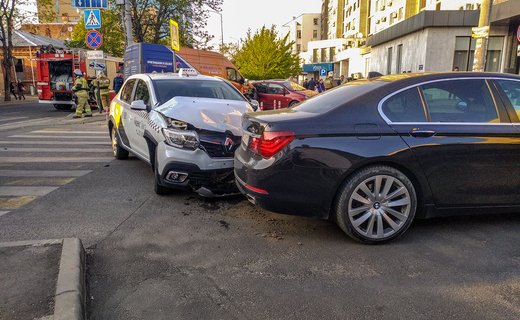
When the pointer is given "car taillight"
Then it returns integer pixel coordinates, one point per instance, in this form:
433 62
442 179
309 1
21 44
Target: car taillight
270 143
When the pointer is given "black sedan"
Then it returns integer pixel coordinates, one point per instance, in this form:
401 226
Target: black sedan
373 155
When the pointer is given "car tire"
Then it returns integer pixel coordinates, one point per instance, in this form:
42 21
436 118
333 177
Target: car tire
117 150
292 103
376 204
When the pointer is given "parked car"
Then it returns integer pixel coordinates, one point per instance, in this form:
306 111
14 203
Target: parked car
374 154
186 127
276 94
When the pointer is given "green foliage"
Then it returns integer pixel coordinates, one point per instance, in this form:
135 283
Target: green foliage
265 56
111 29
151 18
47 10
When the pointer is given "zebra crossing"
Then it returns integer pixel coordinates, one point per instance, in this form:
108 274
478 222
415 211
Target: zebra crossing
38 162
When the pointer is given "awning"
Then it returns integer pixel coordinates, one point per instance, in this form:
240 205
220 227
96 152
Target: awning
316 67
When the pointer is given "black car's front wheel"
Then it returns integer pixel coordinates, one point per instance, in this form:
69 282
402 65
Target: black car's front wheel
375 205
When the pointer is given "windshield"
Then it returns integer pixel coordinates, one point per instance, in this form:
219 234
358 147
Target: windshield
338 96
294 86
170 88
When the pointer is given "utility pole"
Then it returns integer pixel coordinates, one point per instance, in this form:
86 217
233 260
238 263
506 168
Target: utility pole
221 28
479 62
126 17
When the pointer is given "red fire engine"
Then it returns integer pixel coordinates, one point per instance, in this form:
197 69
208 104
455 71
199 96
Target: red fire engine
55 74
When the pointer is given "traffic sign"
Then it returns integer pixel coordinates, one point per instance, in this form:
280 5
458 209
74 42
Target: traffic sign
96 65
95 55
323 72
94 39
92 19
90 3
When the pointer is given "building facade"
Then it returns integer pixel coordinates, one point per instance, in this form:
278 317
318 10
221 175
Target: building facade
302 30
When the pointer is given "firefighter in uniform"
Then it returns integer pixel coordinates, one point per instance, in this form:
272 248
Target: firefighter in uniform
81 90
101 85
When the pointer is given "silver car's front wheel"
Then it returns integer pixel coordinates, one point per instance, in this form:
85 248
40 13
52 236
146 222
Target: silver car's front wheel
377 204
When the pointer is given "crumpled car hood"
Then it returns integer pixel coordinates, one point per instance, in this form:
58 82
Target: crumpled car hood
206 113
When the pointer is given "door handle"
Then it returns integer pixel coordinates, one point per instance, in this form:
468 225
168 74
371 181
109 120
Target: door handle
418 133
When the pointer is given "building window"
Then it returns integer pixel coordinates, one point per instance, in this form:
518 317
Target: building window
298 34
401 14
324 55
464 53
422 4
332 53
494 54
314 34
315 55
315 21
298 48
399 62
18 65
438 6
389 61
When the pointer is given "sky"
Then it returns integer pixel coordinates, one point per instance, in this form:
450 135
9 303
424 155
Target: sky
240 15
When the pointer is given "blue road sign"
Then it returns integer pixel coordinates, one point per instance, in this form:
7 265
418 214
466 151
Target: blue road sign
94 39
90 3
323 72
92 18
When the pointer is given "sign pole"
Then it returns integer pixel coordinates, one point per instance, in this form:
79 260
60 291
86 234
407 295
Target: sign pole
174 41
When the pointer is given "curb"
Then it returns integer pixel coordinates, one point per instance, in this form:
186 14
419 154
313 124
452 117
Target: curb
70 287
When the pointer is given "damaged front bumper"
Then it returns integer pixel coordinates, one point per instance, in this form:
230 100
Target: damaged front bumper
210 177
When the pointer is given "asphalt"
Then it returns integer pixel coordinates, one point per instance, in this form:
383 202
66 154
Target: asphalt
184 257
28 276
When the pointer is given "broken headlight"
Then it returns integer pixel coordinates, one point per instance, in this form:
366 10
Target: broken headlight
184 139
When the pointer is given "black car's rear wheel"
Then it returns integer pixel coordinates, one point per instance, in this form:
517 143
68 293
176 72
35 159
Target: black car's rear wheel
376 205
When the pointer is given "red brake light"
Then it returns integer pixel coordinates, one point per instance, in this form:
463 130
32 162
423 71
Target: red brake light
270 143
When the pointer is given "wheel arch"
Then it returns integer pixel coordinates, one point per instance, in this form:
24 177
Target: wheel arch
152 145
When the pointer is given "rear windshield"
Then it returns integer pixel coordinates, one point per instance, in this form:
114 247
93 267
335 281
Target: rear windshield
294 86
170 88
335 97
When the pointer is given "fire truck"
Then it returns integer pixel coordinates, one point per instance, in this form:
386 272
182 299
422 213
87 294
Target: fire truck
55 75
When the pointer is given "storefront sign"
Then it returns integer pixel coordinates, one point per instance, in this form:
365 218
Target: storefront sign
482 32
317 67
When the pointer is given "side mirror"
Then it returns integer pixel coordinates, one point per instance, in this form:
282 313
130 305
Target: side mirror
138 105
285 92
241 81
254 104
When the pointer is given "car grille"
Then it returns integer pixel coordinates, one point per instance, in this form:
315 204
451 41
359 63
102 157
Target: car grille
214 144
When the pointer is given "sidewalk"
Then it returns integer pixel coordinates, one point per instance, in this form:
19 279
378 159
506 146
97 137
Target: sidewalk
28 99
42 279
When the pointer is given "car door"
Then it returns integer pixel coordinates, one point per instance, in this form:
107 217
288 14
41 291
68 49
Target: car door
461 138
261 91
140 119
275 95
123 113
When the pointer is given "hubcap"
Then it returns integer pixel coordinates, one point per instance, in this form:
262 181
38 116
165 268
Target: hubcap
379 206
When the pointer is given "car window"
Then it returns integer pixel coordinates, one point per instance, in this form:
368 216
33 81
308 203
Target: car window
142 92
260 87
170 88
232 74
338 96
405 106
275 89
294 86
126 92
512 91
460 101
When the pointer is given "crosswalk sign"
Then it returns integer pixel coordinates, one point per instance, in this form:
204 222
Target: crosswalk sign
92 19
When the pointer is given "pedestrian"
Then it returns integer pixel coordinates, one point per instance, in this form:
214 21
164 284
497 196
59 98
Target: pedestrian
12 90
329 83
81 90
342 79
320 86
312 84
118 82
456 69
306 83
21 89
101 84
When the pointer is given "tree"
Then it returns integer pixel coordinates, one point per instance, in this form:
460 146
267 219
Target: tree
150 19
111 29
265 56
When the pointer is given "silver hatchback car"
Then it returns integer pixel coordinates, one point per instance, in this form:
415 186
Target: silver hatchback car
187 127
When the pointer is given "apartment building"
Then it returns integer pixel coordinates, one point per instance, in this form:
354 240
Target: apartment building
302 29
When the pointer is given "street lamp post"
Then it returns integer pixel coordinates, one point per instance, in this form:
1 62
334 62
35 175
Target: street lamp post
221 28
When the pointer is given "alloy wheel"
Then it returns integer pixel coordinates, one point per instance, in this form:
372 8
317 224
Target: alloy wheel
379 206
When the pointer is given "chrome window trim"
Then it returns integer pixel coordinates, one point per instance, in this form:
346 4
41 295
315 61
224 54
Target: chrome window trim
508 79
388 121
